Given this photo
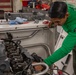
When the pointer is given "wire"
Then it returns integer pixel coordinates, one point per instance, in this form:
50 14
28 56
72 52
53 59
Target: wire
57 68
61 70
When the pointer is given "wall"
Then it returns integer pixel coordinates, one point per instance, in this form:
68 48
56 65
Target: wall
6 5
17 5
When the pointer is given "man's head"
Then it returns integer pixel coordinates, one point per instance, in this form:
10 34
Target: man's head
58 13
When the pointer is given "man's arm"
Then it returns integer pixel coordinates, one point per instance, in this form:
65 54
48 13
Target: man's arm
68 44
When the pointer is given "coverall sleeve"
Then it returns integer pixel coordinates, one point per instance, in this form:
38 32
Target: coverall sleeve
67 45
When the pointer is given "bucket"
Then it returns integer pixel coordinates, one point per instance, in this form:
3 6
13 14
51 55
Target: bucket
25 3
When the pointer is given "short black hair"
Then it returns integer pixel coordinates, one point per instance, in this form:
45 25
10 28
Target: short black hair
58 9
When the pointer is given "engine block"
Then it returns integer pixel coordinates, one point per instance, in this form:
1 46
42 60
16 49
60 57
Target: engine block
16 60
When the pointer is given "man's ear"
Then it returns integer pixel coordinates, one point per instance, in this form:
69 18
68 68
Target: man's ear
67 14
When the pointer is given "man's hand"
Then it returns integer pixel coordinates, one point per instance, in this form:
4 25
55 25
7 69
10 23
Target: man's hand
48 23
38 68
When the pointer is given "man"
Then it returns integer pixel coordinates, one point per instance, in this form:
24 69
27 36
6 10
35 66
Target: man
64 15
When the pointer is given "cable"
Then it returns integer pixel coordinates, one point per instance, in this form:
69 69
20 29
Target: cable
57 68
61 70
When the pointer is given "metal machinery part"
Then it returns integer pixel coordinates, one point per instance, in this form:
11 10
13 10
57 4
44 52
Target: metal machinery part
15 60
31 14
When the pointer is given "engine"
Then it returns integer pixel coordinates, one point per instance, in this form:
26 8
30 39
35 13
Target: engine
16 60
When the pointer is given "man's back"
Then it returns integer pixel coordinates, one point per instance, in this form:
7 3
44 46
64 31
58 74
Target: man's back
70 23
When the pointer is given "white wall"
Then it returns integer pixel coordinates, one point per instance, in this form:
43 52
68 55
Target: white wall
17 5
